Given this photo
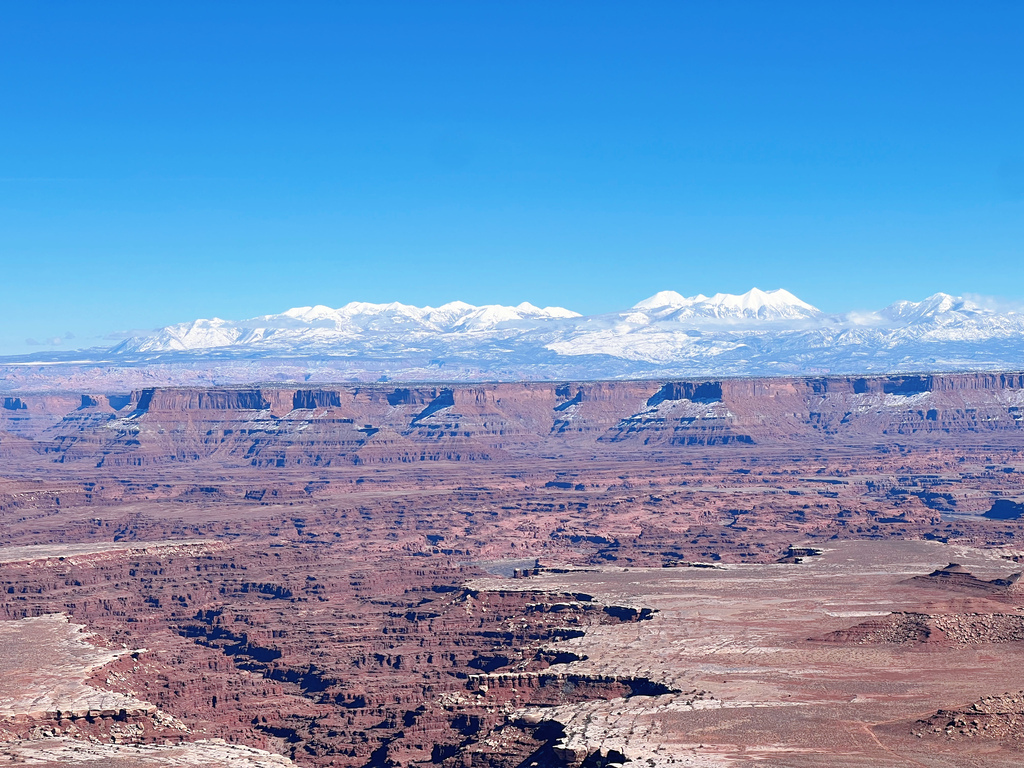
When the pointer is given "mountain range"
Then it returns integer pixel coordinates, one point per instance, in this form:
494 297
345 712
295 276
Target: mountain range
756 333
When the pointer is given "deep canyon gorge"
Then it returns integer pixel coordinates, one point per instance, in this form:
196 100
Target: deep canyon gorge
698 572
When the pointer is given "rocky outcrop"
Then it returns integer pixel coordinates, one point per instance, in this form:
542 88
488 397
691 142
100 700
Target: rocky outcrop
953 628
956 577
991 718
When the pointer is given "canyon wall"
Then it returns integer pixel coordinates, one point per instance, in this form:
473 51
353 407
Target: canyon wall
364 424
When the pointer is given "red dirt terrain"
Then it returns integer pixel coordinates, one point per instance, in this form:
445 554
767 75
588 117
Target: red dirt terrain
674 573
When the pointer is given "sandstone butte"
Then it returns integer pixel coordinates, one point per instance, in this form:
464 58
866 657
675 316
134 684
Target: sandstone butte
771 572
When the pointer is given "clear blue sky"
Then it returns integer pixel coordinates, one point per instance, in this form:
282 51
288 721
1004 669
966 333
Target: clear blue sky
166 161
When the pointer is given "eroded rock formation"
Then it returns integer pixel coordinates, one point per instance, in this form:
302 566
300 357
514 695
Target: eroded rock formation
492 574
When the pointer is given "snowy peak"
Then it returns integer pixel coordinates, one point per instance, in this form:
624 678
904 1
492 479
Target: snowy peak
779 304
184 337
755 304
668 300
940 307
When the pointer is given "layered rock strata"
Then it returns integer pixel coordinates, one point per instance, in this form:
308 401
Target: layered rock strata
498 574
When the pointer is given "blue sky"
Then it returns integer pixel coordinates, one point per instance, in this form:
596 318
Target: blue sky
166 161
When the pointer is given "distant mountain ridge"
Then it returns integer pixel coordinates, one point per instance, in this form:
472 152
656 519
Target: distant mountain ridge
322 325
755 304
756 333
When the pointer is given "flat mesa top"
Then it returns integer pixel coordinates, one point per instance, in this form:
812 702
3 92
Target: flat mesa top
792 664
46 551
211 753
44 664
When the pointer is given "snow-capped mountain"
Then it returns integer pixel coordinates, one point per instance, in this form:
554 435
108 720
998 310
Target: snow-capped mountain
304 327
755 304
756 333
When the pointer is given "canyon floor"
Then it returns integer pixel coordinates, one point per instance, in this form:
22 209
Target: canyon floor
780 572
